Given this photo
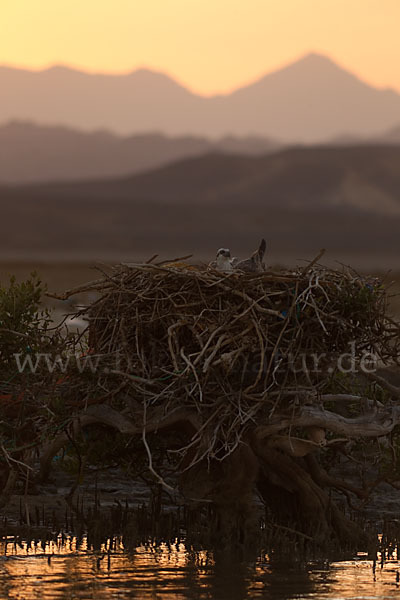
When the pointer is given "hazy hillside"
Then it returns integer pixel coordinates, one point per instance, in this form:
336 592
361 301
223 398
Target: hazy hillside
33 153
344 199
364 178
390 137
310 100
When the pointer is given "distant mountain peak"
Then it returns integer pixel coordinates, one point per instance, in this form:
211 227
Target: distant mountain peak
63 70
310 100
145 76
317 57
59 68
315 62
146 71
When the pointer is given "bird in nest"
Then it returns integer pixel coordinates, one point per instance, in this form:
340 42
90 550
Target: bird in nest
253 264
223 261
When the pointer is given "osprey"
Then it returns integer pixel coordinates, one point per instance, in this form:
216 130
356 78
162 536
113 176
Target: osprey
254 263
223 260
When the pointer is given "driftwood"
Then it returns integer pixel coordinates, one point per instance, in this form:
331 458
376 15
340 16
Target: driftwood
377 423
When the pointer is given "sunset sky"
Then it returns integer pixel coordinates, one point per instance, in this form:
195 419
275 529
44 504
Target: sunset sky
208 45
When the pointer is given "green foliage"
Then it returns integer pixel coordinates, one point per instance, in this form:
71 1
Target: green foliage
23 324
361 301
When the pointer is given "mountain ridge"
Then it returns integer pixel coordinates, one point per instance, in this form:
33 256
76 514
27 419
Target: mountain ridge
296 177
299 199
308 101
32 153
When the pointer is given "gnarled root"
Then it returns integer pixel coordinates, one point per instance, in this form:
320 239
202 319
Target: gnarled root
105 415
293 497
228 485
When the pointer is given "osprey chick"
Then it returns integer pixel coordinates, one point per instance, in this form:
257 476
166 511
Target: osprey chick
223 260
255 262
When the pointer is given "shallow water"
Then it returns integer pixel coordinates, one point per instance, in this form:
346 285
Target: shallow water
70 570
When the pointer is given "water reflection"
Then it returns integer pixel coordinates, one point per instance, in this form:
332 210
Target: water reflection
65 568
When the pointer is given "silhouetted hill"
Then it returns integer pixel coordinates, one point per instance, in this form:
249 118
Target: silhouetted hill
310 100
31 153
364 178
344 199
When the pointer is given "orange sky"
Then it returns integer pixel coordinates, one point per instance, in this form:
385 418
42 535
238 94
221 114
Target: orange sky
209 45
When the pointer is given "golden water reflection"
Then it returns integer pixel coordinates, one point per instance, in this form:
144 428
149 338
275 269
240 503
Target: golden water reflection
65 568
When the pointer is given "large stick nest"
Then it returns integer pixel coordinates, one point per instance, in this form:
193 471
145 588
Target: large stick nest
227 349
256 367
